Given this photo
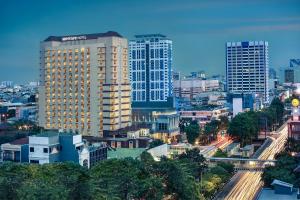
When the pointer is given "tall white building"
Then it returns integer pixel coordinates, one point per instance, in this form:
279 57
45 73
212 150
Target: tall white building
150 61
247 68
84 83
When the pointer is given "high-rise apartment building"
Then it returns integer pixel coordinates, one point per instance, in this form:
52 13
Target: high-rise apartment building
247 68
84 83
295 67
289 75
150 62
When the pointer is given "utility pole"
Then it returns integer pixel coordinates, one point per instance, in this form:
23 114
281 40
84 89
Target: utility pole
266 120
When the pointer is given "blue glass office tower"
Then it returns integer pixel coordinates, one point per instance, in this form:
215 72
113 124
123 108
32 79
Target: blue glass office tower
247 68
150 63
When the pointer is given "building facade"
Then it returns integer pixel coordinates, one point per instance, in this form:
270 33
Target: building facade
50 147
289 75
295 66
247 68
150 62
203 116
15 151
84 83
192 87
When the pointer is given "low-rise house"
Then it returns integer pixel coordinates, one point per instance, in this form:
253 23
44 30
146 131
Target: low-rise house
50 147
16 151
233 149
169 150
247 151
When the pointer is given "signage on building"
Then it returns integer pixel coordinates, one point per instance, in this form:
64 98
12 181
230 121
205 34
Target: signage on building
295 102
72 38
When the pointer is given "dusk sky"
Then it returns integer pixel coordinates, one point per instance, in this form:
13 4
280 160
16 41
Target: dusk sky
199 29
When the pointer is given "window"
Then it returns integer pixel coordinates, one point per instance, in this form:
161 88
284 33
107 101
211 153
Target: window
34 161
152 53
31 149
161 53
45 150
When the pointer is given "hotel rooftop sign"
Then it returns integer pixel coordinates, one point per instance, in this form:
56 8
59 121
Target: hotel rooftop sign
72 38
82 37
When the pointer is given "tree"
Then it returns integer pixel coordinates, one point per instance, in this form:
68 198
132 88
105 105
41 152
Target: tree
48 181
124 179
184 122
278 106
224 122
227 166
245 127
211 128
220 153
178 180
192 132
196 161
283 170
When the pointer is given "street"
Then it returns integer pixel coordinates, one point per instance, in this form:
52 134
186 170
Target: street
246 185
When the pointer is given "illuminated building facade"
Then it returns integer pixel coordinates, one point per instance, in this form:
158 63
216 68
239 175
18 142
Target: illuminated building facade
150 62
84 83
247 68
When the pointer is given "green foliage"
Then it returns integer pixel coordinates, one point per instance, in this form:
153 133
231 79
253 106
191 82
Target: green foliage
184 122
192 132
227 166
224 122
278 106
124 179
195 161
58 181
180 184
292 145
283 170
245 126
220 153
115 179
212 128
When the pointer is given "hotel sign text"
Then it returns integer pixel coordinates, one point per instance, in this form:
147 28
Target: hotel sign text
71 38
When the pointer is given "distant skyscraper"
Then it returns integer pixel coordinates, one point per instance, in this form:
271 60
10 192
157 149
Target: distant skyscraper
84 83
176 76
6 83
295 66
247 67
272 73
289 75
150 61
199 74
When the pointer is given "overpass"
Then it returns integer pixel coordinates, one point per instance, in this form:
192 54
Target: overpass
242 164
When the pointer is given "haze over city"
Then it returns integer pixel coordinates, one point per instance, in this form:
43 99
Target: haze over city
150 100
199 29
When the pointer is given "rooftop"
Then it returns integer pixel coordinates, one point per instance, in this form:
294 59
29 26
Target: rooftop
82 36
269 194
124 153
46 134
20 141
156 35
278 182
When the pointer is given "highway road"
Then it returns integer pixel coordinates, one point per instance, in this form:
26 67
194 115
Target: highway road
210 150
245 185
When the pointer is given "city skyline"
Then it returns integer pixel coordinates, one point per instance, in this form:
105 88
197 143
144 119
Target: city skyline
199 30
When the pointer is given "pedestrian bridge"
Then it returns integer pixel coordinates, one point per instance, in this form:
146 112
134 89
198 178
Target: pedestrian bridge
243 164
219 159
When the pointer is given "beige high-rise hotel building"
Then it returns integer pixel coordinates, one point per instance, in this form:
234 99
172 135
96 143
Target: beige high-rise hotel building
84 83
